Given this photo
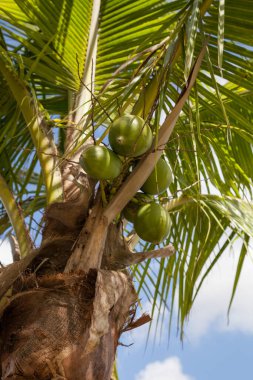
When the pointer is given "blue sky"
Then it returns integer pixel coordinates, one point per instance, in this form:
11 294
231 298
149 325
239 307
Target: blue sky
218 356
212 349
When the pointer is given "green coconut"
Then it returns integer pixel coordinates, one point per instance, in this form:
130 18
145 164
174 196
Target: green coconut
159 179
152 223
131 209
100 162
130 136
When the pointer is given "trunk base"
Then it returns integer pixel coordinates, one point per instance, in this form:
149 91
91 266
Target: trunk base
46 330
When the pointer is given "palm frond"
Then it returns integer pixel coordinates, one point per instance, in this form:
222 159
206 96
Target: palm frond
55 36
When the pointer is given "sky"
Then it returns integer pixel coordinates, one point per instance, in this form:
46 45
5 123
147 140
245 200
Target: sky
212 348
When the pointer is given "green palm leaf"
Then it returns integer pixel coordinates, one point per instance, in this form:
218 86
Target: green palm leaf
55 36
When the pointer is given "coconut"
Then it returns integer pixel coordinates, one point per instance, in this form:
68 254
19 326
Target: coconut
152 223
100 162
130 136
159 179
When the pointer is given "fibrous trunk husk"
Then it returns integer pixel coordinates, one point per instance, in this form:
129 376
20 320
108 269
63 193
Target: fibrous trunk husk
65 326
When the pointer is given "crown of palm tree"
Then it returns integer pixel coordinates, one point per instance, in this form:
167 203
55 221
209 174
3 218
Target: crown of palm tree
55 55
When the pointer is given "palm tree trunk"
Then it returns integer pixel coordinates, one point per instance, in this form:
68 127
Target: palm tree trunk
62 325
65 326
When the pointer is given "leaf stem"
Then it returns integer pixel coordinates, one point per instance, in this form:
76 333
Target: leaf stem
16 217
37 125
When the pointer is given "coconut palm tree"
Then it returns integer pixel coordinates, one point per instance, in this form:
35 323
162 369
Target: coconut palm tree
68 69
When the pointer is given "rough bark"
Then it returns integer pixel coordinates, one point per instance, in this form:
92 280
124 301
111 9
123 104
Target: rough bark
65 326
57 325
62 326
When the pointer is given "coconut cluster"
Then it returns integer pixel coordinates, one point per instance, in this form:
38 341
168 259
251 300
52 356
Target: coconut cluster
130 136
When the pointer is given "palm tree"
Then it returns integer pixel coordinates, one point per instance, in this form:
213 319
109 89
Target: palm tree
68 69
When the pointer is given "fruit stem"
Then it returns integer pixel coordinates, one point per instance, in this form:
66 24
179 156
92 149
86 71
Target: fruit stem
103 195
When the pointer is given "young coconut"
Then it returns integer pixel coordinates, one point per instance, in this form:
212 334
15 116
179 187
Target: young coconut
159 179
131 209
130 136
100 162
152 223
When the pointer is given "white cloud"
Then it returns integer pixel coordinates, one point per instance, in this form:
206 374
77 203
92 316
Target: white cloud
170 368
5 252
210 309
